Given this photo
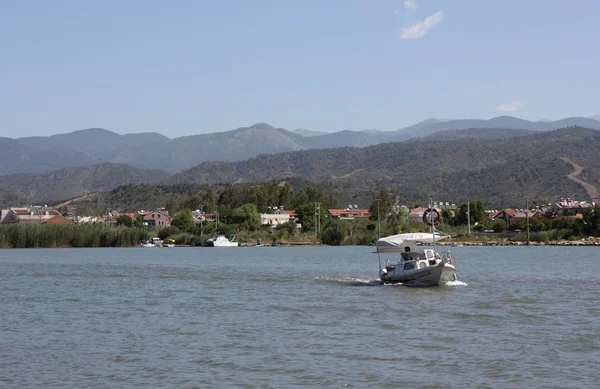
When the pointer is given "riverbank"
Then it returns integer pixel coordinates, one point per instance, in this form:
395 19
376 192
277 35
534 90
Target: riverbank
589 241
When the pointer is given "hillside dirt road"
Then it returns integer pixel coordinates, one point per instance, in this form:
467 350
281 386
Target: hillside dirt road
68 202
591 190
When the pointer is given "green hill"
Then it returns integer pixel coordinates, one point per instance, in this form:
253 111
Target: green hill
72 182
500 171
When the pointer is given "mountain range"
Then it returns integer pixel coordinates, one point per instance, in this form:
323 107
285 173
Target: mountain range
156 151
499 166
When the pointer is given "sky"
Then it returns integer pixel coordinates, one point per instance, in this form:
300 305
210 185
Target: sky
190 67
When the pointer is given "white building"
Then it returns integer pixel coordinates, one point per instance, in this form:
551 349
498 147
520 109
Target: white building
273 219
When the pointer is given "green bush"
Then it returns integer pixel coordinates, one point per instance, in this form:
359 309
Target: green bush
334 233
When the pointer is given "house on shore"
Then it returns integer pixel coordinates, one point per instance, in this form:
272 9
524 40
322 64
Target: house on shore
350 213
277 217
156 219
32 215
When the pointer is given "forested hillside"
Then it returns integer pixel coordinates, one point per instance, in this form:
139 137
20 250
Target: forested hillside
500 171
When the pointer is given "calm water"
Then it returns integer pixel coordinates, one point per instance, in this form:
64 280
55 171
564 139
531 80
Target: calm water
280 317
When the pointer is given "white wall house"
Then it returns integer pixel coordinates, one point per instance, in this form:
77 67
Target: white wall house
274 219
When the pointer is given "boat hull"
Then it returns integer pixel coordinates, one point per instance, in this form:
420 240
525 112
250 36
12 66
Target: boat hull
440 274
218 243
230 244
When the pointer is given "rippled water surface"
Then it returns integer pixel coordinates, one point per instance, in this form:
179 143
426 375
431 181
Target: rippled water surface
280 317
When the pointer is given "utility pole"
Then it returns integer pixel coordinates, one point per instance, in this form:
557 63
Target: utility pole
317 218
469 217
527 216
378 223
201 217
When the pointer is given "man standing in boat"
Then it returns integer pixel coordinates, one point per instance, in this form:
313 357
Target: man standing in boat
406 254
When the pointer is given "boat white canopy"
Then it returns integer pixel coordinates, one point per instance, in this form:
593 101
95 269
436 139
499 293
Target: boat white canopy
397 243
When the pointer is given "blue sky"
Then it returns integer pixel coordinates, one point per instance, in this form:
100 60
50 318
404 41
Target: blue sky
191 67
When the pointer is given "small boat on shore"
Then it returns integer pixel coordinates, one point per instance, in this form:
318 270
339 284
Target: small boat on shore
219 240
154 242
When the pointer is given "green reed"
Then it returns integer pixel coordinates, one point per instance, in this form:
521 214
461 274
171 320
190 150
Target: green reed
82 235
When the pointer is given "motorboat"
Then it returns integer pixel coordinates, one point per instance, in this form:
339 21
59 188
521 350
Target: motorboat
169 242
220 240
154 242
413 266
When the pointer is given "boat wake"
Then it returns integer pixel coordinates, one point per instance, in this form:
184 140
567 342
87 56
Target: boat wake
351 281
457 283
357 281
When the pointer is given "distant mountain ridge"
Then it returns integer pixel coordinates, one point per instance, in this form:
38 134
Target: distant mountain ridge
156 151
66 183
460 164
428 127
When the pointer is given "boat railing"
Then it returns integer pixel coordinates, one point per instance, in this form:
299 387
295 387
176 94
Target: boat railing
447 256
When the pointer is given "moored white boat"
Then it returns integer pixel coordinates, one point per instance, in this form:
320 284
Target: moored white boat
220 241
154 242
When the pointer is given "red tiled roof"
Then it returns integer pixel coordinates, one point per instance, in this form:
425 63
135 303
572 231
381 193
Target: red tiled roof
416 211
359 213
509 212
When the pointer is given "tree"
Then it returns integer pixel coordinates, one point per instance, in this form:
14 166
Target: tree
299 199
447 216
306 214
334 232
289 227
285 195
138 221
166 232
124 220
498 226
172 206
249 214
416 204
208 200
381 205
477 213
184 220
591 218
192 202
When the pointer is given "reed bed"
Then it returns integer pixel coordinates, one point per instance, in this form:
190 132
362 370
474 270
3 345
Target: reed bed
82 235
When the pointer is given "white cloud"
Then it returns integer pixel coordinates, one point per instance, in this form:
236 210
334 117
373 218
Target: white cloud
419 29
510 107
410 5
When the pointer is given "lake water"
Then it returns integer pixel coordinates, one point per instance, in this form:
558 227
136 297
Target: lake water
280 317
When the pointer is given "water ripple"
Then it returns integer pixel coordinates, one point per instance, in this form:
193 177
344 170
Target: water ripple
281 318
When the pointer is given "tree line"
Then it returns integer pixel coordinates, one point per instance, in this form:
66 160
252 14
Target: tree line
237 209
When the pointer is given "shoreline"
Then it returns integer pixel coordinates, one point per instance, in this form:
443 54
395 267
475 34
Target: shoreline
582 242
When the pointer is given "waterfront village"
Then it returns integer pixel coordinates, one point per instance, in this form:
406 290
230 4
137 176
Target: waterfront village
510 220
